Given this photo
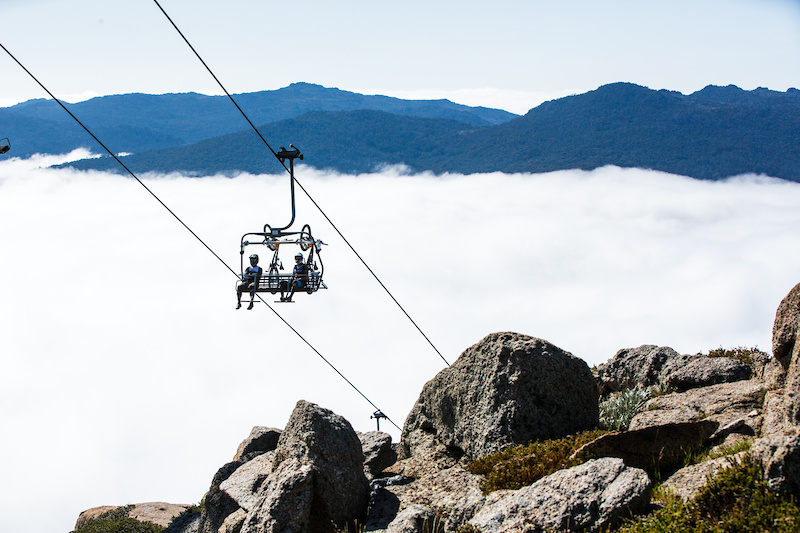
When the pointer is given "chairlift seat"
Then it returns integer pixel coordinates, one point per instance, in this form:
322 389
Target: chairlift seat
272 283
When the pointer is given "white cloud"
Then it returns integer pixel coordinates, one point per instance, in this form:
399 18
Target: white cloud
128 376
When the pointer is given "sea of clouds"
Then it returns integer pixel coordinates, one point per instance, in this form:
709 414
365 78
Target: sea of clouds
128 376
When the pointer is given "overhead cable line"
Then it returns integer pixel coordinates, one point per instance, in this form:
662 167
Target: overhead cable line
298 182
201 241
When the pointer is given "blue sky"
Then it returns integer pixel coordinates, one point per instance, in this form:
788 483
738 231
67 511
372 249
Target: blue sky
510 54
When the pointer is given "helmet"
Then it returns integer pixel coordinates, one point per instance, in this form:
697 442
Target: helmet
254 258
298 257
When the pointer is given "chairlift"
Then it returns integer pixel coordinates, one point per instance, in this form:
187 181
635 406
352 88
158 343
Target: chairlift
5 145
305 275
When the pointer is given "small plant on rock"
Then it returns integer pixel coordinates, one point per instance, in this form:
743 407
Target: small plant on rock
618 409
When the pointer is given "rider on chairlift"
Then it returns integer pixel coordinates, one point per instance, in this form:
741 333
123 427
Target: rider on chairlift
299 279
249 282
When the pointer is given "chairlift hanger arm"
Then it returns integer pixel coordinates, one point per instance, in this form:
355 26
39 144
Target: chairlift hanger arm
283 154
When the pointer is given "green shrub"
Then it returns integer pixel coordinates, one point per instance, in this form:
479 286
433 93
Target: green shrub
740 353
736 499
519 466
118 521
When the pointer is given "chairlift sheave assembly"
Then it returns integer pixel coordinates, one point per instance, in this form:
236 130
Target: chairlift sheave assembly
304 276
5 145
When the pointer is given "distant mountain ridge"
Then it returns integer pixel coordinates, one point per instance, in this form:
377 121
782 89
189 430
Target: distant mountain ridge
714 133
138 122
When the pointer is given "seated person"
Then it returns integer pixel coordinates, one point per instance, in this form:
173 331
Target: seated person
299 279
249 281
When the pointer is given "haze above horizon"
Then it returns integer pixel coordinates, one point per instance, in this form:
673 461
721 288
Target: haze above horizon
512 57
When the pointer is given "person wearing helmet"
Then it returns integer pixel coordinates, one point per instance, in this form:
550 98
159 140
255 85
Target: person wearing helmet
299 278
249 281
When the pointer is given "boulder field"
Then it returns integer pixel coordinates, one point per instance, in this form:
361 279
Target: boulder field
319 475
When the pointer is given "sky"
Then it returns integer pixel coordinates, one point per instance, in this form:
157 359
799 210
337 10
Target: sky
125 383
512 55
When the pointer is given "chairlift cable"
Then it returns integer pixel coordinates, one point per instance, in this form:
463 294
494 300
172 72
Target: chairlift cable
298 182
201 241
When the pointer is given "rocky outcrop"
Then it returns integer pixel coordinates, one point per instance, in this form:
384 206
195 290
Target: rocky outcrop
507 389
261 439
650 365
510 389
587 497
317 481
723 403
159 513
701 371
644 366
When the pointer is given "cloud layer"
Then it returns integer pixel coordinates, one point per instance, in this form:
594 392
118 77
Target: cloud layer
128 376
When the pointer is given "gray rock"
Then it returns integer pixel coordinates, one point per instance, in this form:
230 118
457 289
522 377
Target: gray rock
786 349
245 484
784 329
777 413
687 482
644 366
453 494
233 522
656 447
414 519
217 504
378 452
723 403
587 497
702 371
507 389
186 523
780 456
261 439
317 481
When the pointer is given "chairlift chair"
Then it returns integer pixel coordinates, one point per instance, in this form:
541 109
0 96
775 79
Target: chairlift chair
5 145
273 239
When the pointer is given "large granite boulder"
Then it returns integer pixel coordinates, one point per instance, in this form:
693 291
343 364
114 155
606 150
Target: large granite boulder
588 497
507 389
317 483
